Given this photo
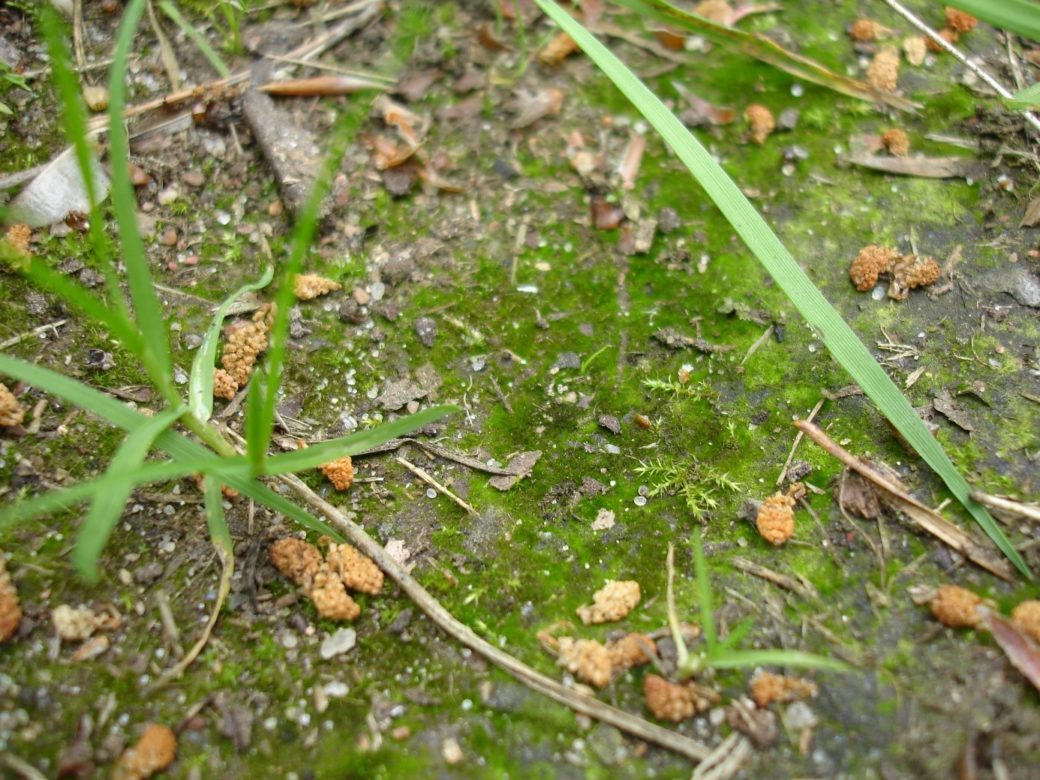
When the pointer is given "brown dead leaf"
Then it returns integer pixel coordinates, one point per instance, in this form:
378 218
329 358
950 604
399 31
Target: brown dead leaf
486 37
1022 652
605 216
414 86
531 106
700 111
631 160
557 50
1032 215
921 167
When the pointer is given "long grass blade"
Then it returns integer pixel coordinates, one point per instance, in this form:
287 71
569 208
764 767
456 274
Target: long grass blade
765 50
322 452
108 505
745 659
704 595
147 307
1017 16
269 381
74 123
1026 98
201 43
73 495
836 335
200 385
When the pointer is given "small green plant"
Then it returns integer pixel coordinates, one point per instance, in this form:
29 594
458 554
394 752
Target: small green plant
698 483
9 78
723 653
137 321
677 389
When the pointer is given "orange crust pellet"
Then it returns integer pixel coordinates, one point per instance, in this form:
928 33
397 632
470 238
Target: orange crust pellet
154 751
948 35
896 142
340 472
761 121
309 286
631 650
865 30
11 412
956 607
767 688
357 571
775 520
870 263
296 559
224 385
883 73
586 659
672 701
17 237
331 599
612 602
960 21
1027 617
10 607
245 342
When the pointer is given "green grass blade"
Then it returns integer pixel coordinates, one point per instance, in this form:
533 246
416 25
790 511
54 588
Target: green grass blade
200 385
65 498
1017 16
74 123
744 659
704 595
736 635
1026 98
836 335
115 319
216 522
257 438
269 381
147 307
264 495
108 505
203 45
322 452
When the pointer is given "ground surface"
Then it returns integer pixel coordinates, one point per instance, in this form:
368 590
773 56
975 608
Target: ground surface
504 299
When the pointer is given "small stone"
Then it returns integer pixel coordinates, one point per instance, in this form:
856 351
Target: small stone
193 178
668 220
169 237
426 330
168 195
361 296
604 520
451 752
96 97
610 422
341 642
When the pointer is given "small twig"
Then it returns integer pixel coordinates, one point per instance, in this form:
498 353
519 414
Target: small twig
22 768
579 702
1007 505
429 480
169 625
34 332
797 441
806 590
922 516
726 759
77 33
166 54
945 44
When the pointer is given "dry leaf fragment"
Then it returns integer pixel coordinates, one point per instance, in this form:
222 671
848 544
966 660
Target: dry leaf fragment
896 142
10 607
960 21
557 50
1021 651
767 688
612 602
956 607
761 121
1026 616
671 701
340 472
775 520
11 412
530 106
586 659
1031 218
309 286
154 751
358 572
883 73
871 262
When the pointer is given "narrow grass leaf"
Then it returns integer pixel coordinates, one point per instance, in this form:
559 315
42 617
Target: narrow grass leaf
262 494
216 522
200 385
322 452
836 335
746 659
147 308
735 635
1017 16
1026 98
256 440
303 234
704 595
74 123
68 497
108 505
201 43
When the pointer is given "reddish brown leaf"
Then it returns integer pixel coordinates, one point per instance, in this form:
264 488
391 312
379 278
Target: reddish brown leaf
605 216
1022 652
